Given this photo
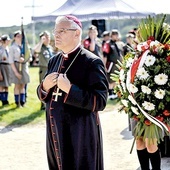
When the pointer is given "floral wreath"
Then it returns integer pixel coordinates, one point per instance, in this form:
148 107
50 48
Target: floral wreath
143 80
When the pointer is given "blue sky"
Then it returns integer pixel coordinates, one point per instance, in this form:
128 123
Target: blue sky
11 11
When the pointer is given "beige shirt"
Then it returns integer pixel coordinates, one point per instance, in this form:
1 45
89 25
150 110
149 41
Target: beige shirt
14 53
4 55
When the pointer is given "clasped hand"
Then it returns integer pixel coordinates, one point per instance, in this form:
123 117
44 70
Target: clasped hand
60 80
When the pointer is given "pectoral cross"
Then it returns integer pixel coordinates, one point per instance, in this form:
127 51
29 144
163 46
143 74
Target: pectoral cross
57 94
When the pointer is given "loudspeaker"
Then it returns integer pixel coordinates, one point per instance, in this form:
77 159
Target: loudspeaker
101 26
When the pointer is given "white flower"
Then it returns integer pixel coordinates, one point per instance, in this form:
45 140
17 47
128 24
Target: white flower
154 43
143 44
135 110
133 88
124 102
148 106
161 79
132 99
142 73
159 94
145 89
150 60
122 75
129 62
123 86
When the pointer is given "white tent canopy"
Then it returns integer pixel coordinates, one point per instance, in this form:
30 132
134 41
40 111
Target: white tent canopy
95 9
158 7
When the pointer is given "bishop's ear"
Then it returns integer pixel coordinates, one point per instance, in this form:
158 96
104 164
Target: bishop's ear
77 33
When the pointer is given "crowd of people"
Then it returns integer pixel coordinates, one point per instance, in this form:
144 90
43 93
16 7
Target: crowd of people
75 83
110 48
14 70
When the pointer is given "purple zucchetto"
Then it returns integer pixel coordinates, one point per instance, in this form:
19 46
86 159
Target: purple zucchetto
75 19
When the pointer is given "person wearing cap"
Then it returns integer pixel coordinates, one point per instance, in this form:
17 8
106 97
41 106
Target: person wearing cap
92 42
130 44
5 69
20 70
44 51
74 90
133 31
105 36
111 53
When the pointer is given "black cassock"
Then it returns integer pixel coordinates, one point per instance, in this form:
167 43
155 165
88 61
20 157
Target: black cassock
74 138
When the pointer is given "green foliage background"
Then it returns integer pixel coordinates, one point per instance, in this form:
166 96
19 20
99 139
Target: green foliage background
123 25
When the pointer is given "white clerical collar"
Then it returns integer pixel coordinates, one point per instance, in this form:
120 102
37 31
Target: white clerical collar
66 54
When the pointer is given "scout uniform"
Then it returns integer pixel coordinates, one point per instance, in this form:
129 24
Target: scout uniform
14 57
45 53
98 43
5 70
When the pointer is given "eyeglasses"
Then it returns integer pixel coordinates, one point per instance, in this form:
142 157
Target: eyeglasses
62 31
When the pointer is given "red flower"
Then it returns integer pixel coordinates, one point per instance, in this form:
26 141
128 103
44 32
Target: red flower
166 46
135 118
160 118
168 59
166 112
148 122
151 38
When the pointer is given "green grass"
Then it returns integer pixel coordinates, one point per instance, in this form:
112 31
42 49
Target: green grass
31 113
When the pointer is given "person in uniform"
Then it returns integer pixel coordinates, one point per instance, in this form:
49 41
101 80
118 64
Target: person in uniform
74 89
20 70
5 69
92 42
111 53
130 43
106 37
45 52
120 44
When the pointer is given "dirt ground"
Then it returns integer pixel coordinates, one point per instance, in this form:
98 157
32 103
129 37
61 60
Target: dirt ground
23 148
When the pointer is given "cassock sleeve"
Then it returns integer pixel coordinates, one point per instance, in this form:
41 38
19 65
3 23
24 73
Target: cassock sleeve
94 96
42 95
